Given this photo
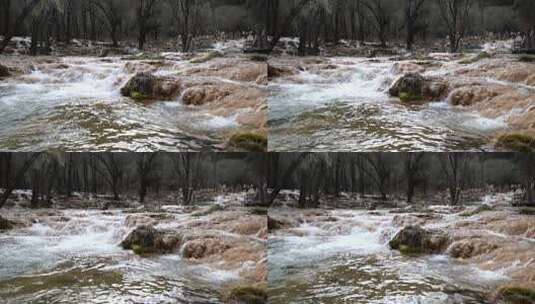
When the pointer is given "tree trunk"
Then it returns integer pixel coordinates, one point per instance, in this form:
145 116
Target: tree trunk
18 23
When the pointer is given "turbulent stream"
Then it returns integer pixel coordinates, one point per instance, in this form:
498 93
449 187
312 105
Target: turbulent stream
347 108
80 261
74 104
348 261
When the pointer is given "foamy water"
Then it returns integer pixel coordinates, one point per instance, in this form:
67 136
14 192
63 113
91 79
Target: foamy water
349 110
78 259
349 261
75 105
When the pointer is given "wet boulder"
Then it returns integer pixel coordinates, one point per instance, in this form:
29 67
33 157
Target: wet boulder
468 248
145 86
203 247
149 240
4 71
280 71
413 87
417 240
279 223
200 95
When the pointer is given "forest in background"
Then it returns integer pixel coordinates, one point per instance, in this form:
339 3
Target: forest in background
408 22
116 21
409 177
124 175
315 22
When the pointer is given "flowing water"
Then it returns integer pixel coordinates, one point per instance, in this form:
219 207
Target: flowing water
75 104
349 110
348 261
80 261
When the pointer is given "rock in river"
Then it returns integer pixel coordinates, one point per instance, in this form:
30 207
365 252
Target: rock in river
147 240
416 240
413 87
145 86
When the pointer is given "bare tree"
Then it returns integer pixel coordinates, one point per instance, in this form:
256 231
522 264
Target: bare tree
382 15
456 16
412 13
145 166
377 167
186 166
19 176
113 172
145 12
454 166
413 166
113 13
26 11
186 14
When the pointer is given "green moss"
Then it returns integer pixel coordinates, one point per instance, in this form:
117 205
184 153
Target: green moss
138 96
248 295
251 142
516 295
478 57
409 251
475 211
139 250
407 97
516 142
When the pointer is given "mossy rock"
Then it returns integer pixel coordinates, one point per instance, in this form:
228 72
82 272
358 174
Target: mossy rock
478 210
248 295
478 57
407 97
251 142
515 295
412 240
516 142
